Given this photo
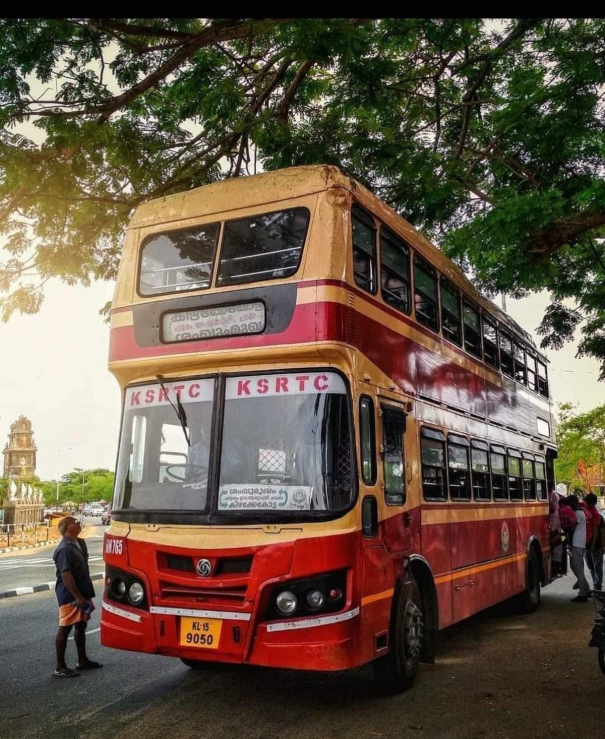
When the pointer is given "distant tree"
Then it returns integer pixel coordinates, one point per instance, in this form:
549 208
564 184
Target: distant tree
80 486
581 442
488 134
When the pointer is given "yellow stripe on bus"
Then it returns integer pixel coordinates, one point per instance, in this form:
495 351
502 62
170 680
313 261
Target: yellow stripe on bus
484 567
377 596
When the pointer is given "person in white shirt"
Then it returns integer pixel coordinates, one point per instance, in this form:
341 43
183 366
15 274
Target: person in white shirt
578 548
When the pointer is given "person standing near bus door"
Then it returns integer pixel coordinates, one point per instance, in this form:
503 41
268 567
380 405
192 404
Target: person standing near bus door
74 591
578 549
556 535
594 547
568 520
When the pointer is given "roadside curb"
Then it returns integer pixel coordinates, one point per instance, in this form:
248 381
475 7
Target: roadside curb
39 588
21 547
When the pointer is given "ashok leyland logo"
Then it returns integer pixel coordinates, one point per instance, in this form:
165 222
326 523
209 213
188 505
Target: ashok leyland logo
203 567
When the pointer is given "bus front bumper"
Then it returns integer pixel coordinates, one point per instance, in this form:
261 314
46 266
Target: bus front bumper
317 643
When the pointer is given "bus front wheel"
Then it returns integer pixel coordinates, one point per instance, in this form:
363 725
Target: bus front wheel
397 670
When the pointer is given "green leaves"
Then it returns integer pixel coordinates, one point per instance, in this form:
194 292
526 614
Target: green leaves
486 134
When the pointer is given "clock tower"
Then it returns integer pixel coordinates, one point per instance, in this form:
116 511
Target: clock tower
20 451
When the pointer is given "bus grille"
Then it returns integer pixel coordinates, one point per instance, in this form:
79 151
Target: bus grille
223 566
210 596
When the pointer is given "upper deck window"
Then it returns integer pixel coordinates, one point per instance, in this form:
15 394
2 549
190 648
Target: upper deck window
173 261
506 353
490 342
395 270
264 247
542 379
472 329
425 294
364 249
450 312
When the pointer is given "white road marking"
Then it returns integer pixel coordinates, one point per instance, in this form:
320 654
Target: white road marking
92 631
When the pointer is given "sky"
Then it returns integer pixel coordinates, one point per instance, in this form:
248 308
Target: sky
53 370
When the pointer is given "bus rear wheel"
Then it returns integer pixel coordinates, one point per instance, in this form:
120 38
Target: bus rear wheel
529 600
397 670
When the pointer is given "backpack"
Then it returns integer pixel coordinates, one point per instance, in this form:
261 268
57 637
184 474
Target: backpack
568 518
598 537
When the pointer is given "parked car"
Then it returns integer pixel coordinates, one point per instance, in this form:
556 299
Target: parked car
106 516
93 509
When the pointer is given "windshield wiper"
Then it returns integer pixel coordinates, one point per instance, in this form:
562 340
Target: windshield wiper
178 409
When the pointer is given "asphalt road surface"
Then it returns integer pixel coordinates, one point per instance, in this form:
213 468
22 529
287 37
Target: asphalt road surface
502 677
35 566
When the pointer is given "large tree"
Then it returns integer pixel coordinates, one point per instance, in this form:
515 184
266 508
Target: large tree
581 442
486 134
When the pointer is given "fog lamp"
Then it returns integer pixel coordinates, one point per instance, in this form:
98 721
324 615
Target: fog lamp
286 602
136 593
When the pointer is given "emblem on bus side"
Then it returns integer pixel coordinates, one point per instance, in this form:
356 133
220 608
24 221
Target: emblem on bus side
203 567
505 536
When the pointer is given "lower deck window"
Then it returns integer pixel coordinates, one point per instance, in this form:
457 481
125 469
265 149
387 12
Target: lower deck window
458 470
498 465
480 474
515 487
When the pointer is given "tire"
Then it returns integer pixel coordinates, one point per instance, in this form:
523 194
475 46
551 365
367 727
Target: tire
601 658
532 589
529 600
397 670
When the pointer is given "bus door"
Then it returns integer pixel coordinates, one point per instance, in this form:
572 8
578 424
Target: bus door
385 521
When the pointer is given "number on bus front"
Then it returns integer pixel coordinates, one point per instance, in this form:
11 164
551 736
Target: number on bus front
207 639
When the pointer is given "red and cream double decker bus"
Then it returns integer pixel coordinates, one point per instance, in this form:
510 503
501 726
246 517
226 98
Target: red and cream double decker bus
332 446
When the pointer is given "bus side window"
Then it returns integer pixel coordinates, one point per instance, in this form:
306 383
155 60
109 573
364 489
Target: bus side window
529 481
531 372
425 294
395 271
540 478
434 480
393 463
497 460
458 467
472 329
367 440
480 470
515 485
506 353
519 353
542 379
451 319
490 342
364 249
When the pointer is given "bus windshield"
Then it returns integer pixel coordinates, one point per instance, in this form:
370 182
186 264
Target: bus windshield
285 445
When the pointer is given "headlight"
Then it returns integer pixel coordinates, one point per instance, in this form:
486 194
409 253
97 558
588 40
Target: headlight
286 602
119 588
136 593
315 599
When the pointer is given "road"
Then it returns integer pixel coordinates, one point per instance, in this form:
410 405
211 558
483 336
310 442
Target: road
501 677
35 566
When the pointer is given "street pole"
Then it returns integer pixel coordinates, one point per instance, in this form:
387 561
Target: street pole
57 494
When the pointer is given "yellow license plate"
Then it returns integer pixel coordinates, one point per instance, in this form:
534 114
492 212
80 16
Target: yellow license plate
204 633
